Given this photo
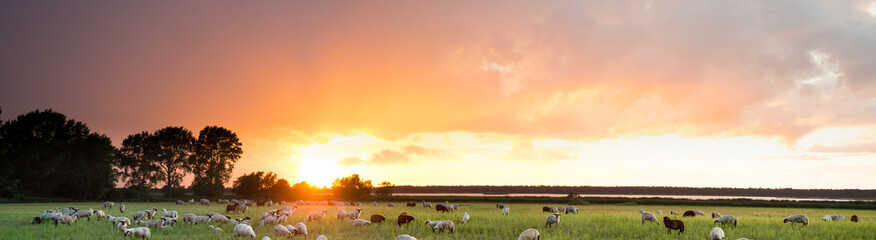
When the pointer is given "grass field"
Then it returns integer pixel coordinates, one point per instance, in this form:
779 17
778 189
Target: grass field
592 222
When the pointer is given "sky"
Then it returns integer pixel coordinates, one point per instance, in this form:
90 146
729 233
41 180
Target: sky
769 94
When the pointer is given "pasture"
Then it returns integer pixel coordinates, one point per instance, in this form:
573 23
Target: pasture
592 222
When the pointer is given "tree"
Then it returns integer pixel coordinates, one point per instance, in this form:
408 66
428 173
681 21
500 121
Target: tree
135 161
352 187
173 151
254 184
47 155
148 159
384 189
303 190
282 190
215 153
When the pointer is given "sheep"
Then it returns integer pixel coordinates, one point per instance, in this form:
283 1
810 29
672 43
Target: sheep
465 217
799 218
214 229
726 219
354 214
716 214
360 222
411 204
427 204
377 218
321 237
269 220
241 208
441 208
243 230
659 212
641 211
108 204
833 218
431 223
673 212
50 215
121 226
717 233
84 214
689 214
191 201
205 202
219 218
170 214
169 221
65 219
699 213
202 219
282 231
99 214
404 218
36 220
646 216
442 225
180 202
375 203
854 218
506 210
545 209
266 238
140 232
231 208
316 215
673 225
529 234
553 220
500 206
571 209
138 215
69 210
405 237
301 228
342 214
117 220
155 223
555 210
189 218
122 207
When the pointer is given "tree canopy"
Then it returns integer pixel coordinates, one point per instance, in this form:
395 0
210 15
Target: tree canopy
148 159
352 187
215 153
254 184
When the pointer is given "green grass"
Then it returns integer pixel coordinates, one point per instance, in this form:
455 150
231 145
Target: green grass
593 222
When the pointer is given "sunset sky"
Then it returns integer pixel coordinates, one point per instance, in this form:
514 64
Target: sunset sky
605 93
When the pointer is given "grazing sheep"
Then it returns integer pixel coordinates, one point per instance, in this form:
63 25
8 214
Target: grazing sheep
50 215
442 225
529 234
699 213
65 219
390 205
316 215
375 203
169 221
717 233
465 217
108 204
205 202
282 231
689 214
321 237
673 225
243 230
799 218
84 214
506 210
122 207
405 237
553 220
117 220
214 229
659 212
500 206
854 218
441 208
170 214
219 218
37 220
360 222
202 219
571 209
726 219
301 228
411 204
641 211
545 209
269 220
189 218
354 214
646 216
122 226
241 208
833 218
99 214
69 210
427 204
155 223
377 218
139 232
404 218
673 212
716 215
180 202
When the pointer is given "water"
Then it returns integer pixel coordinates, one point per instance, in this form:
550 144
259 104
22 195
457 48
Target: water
693 197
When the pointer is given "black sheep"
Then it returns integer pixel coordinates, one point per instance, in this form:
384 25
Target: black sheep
689 214
673 225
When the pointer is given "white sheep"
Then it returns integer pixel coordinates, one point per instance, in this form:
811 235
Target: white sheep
117 220
155 223
390 205
427 204
342 214
833 218
700 213
465 217
266 238
799 218
354 214
50 215
65 219
84 214
571 209
122 226
431 223
321 237
99 214
659 212
202 219
553 219
243 230
717 233
726 219
301 228
169 221
716 214
219 218
192 201
529 234
108 204
405 237
375 203
189 218
170 214
442 225
673 212
646 216
122 207
282 231
180 202
316 215
69 210
214 229
360 222
506 210
139 232
206 202
641 211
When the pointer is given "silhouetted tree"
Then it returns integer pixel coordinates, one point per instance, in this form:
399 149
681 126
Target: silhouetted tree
174 150
352 187
303 190
282 190
136 162
148 159
215 153
47 155
384 189
254 184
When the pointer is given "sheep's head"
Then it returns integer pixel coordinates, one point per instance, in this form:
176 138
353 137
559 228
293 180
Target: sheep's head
128 232
786 220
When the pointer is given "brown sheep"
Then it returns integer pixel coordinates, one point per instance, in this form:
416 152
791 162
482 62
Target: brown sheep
689 214
410 204
673 225
441 208
404 218
545 209
231 208
377 218
38 220
854 218
260 203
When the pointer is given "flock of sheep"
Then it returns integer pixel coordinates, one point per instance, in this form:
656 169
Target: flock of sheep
242 227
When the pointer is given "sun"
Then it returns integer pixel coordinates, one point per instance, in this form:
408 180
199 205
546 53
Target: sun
318 170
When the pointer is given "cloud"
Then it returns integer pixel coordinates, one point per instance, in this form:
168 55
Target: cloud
349 161
418 150
387 157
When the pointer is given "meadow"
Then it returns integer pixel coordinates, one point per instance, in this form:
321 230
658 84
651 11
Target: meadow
592 222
